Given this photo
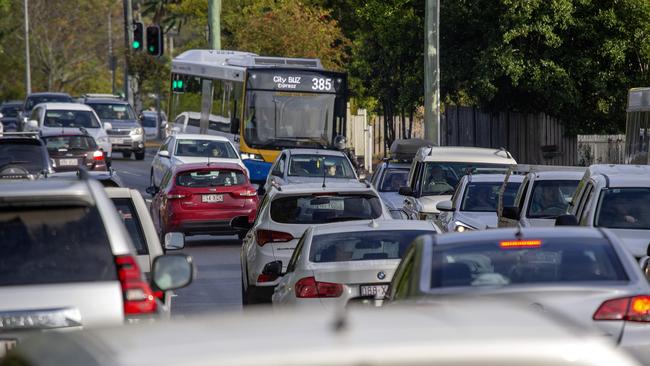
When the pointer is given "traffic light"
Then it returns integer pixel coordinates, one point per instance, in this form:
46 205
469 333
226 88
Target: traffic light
138 36
154 40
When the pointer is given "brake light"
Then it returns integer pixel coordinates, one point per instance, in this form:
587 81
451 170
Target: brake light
635 309
173 195
270 236
519 244
266 278
138 297
246 192
308 287
98 156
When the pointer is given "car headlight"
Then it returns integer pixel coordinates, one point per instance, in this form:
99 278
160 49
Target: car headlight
102 139
137 131
248 156
461 228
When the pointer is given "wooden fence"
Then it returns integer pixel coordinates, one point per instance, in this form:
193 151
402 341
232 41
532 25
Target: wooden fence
530 138
601 149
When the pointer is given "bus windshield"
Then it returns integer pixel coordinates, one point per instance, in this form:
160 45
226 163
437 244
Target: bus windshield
287 119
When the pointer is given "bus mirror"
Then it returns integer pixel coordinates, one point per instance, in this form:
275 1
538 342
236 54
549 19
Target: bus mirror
234 125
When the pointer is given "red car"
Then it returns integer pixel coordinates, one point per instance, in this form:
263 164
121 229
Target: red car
203 198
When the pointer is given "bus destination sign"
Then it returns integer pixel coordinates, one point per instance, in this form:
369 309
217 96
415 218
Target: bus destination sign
297 81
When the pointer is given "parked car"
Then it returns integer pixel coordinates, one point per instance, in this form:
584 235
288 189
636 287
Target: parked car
23 156
295 166
545 194
284 215
68 263
151 124
616 197
187 149
10 112
463 333
190 123
204 198
584 274
334 263
34 99
126 133
436 171
72 150
474 203
70 117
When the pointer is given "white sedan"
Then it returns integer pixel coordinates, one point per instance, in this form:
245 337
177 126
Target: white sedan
334 263
190 148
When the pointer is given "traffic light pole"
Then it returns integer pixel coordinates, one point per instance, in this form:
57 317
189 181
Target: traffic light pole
28 71
128 20
432 72
214 23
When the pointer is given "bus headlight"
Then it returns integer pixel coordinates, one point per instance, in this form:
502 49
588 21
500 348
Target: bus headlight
247 156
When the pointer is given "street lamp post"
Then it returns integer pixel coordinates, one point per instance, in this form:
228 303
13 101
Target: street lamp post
28 75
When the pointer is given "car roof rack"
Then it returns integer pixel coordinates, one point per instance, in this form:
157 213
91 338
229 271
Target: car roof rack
405 149
34 134
101 96
530 168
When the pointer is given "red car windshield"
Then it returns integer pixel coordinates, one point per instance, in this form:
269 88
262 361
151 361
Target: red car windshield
211 178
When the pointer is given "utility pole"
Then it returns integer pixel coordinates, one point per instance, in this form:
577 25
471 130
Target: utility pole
128 39
214 23
432 72
111 58
28 72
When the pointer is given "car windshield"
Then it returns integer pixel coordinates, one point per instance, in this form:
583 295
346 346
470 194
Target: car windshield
624 208
70 119
205 148
72 142
282 119
26 155
34 100
211 178
319 166
394 179
484 196
10 110
551 198
117 111
525 262
66 243
441 178
131 220
362 246
319 209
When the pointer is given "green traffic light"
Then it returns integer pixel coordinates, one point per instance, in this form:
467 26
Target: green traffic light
136 44
174 84
180 83
151 49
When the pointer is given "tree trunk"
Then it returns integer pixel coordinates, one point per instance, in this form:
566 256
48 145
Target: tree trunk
412 112
403 115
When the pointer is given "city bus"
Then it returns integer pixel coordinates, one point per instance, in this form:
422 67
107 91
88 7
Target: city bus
264 104
637 126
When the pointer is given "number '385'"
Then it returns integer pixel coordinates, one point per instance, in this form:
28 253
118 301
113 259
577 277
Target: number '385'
321 84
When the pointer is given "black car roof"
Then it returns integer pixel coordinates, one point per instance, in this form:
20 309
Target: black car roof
105 101
21 141
12 103
54 94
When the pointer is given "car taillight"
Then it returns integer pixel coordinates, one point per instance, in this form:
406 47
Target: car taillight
98 156
178 195
634 309
138 296
246 192
270 236
308 287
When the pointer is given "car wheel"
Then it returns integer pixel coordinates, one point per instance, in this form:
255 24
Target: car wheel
139 156
126 154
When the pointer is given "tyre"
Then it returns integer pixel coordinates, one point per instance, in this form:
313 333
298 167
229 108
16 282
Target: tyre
126 154
139 155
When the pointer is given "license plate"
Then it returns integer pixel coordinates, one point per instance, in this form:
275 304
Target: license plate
212 198
116 140
378 291
7 345
68 162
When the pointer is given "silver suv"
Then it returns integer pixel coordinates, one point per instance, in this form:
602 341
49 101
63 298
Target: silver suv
67 262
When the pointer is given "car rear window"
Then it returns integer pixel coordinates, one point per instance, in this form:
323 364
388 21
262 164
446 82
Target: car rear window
624 208
211 178
527 261
73 142
10 110
131 220
361 246
46 245
318 166
205 149
70 119
28 155
483 196
394 179
318 209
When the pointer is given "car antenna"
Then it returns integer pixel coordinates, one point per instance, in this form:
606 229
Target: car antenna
324 171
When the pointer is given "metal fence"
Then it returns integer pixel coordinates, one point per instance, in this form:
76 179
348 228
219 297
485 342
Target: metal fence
530 138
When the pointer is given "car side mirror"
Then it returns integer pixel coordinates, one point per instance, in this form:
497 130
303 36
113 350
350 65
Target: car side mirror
152 190
163 154
406 191
171 272
566 220
174 241
108 126
241 223
644 263
32 124
363 177
273 268
510 212
445 206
